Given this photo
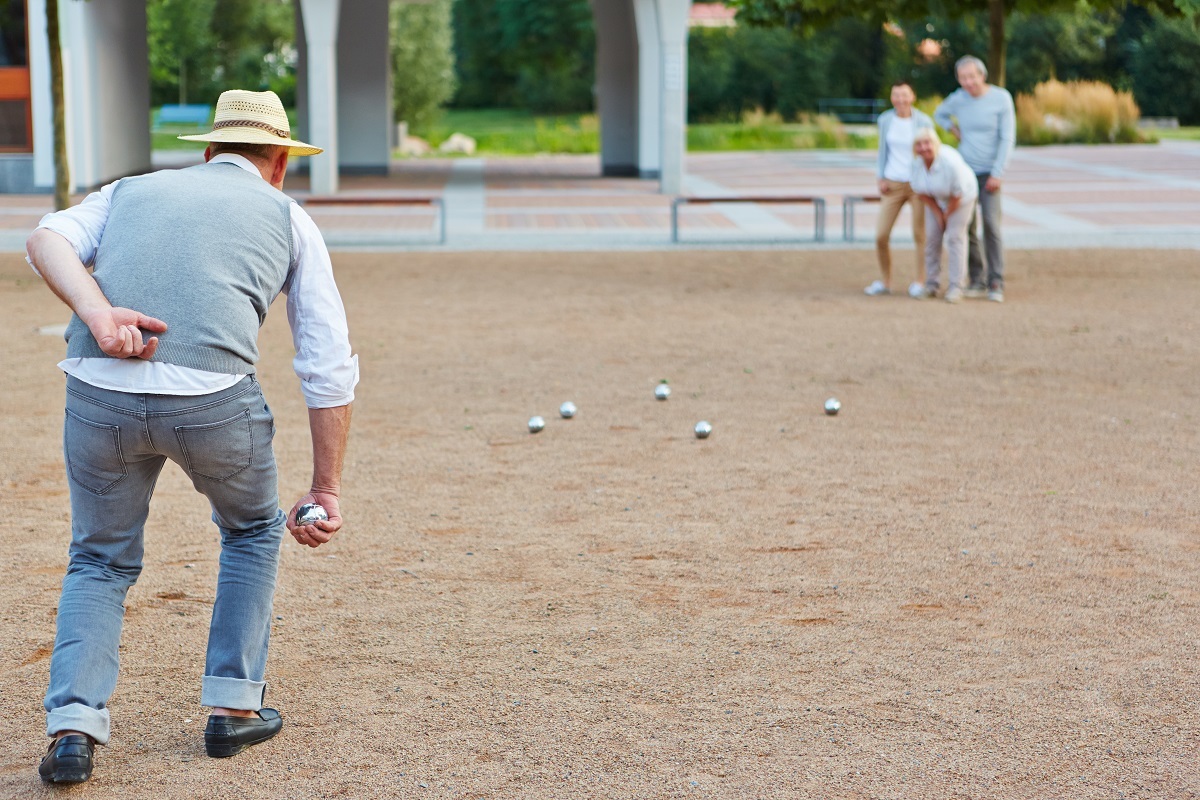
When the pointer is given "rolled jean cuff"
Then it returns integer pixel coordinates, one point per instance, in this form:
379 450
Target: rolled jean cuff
78 717
239 693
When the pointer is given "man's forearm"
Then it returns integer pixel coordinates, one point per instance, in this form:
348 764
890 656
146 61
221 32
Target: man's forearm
330 429
56 261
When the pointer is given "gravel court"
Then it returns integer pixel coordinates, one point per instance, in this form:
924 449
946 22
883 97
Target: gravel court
978 580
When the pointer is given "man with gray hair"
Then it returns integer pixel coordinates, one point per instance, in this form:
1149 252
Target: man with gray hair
169 276
983 119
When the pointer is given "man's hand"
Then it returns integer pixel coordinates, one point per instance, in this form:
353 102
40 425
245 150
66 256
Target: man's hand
883 186
330 429
955 132
118 331
992 184
317 533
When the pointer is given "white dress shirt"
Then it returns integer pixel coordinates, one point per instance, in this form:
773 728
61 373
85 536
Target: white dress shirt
327 369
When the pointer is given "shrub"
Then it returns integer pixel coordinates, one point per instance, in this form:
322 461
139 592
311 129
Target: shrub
1076 111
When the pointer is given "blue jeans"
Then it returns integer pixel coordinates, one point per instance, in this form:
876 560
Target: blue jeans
116 444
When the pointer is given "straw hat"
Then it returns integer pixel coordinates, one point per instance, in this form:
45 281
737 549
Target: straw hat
253 118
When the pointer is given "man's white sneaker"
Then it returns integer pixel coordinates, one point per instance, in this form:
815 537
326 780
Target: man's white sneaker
996 295
976 291
924 292
954 295
877 288
915 290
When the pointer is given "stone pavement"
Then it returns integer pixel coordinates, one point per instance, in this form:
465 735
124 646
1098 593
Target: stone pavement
1121 196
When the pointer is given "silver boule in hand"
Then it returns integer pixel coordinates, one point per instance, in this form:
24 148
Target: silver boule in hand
309 513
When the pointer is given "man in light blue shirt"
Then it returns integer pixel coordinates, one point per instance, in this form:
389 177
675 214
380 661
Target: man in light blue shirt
983 118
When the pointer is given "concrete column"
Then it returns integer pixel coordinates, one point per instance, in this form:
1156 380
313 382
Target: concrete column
320 22
649 88
617 85
106 87
672 36
42 102
364 88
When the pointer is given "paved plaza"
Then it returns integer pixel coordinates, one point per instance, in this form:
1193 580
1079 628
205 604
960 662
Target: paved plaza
1121 196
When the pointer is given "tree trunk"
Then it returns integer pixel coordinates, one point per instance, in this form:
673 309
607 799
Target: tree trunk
996 42
62 180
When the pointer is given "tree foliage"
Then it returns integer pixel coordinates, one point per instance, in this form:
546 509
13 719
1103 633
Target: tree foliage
809 15
198 48
525 54
423 78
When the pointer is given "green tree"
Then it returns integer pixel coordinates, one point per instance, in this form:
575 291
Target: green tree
525 54
199 48
1165 80
423 79
820 13
181 45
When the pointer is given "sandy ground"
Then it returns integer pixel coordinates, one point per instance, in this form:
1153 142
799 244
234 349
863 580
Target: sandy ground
978 581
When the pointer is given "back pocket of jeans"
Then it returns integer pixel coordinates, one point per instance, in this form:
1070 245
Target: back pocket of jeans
93 454
217 450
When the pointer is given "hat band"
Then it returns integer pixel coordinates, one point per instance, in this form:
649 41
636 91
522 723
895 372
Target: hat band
251 123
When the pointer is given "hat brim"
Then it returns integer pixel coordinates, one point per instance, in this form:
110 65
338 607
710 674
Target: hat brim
234 135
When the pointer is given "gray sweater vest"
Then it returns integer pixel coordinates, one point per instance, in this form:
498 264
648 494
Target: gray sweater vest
205 249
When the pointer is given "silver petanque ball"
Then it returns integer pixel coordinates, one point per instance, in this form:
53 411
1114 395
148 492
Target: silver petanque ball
833 406
309 513
567 410
703 429
662 391
536 424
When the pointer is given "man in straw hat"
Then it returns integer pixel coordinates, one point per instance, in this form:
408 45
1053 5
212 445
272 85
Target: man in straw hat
160 364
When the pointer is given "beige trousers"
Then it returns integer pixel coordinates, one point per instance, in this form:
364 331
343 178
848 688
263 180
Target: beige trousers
890 204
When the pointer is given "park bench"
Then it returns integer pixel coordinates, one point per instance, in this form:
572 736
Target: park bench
193 115
344 200
818 204
849 109
848 204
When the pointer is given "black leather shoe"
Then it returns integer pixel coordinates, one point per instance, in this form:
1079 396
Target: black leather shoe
227 736
69 759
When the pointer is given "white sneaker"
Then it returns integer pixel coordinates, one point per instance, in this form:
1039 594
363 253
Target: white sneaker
996 295
877 288
954 295
916 290
923 292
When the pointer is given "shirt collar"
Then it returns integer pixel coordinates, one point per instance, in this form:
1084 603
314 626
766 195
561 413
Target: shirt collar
234 158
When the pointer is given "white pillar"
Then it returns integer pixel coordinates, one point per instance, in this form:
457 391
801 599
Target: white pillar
364 95
649 89
320 19
617 85
43 106
672 36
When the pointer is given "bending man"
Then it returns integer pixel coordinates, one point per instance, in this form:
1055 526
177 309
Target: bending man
161 354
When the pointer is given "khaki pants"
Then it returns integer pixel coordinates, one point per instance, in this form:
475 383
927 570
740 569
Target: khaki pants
891 203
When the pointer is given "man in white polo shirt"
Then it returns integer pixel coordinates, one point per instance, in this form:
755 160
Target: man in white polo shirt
161 353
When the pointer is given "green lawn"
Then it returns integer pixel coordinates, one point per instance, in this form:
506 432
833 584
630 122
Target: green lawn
1178 134
510 132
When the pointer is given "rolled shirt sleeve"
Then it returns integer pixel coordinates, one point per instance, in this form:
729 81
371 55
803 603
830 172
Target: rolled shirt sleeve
82 225
324 363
